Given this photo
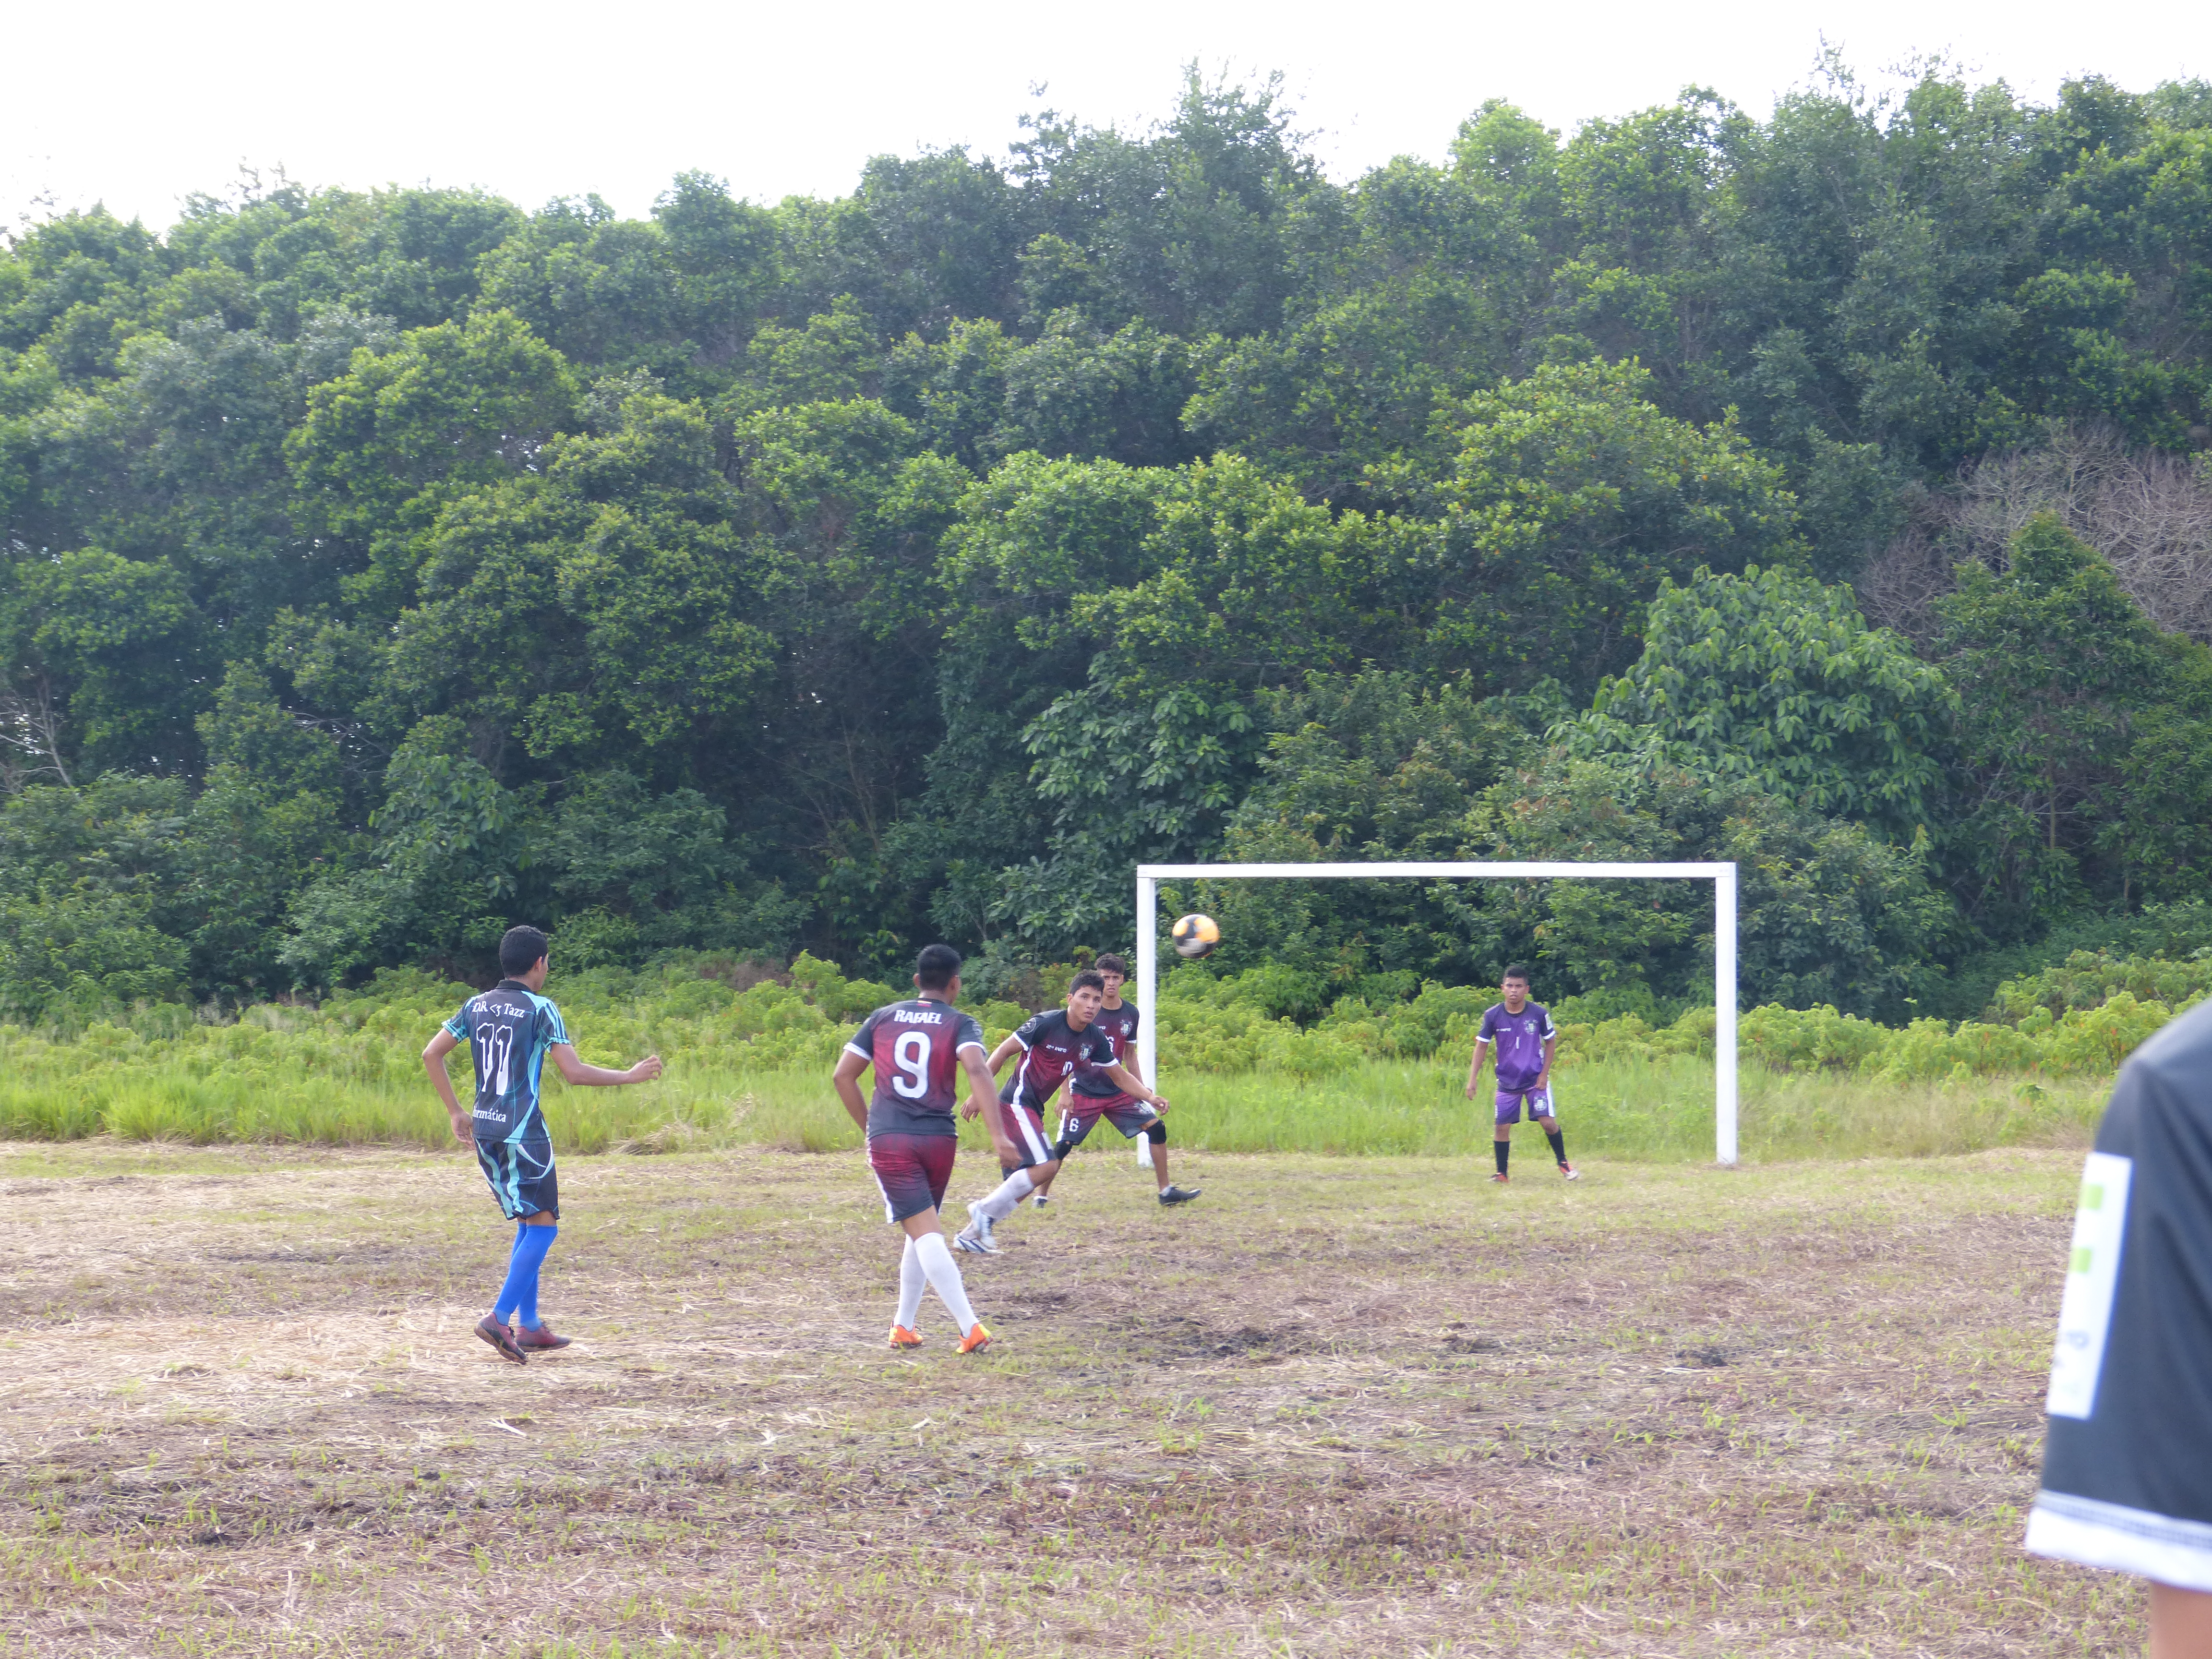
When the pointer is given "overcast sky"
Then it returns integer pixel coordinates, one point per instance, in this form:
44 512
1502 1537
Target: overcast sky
139 104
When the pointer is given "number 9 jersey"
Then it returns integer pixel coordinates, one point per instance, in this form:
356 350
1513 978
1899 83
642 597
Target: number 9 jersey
915 1047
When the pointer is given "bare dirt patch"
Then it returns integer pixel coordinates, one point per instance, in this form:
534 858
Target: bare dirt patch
1337 1407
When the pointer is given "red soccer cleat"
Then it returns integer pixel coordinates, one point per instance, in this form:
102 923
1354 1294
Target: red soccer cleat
542 1337
502 1339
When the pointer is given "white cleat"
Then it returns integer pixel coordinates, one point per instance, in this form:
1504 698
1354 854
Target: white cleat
976 1237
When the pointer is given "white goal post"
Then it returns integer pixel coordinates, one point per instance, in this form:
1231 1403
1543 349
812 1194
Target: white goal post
1722 877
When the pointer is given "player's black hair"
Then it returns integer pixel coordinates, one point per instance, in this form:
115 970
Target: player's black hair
936 966
519 949
1089 979
1515 970
1110 964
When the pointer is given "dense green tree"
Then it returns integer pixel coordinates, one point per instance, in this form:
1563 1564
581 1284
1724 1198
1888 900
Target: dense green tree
841 572
1378 766
1827 912
117 643
2061 677
1567 500
90 884
1771 680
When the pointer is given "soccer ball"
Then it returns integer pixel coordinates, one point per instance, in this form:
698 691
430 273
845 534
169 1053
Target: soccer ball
1195 936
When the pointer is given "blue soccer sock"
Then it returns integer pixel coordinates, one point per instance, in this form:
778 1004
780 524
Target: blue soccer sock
519 1296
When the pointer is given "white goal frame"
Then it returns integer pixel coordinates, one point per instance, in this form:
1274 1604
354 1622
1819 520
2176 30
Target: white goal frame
1722 877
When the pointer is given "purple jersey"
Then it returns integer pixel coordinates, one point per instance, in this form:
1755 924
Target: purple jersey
1520 1038
915 1047
1052 1052
1120 1025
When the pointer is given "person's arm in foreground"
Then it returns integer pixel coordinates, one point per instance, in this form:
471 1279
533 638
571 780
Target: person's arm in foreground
983 1102
1474 1069
1130 1083
846 1080
2180 1623
580 1075
1008 1046
434 1062
1129 1065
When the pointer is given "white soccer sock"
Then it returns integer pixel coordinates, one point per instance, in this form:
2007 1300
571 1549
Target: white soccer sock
1008 1198
911 1282
944 1274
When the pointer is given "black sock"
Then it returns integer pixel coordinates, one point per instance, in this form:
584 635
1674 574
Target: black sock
1504 1150
1559 1144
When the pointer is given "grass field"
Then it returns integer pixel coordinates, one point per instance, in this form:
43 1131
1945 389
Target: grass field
1338 1407
1621 1109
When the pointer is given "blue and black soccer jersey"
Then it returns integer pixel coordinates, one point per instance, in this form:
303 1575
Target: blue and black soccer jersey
508 1030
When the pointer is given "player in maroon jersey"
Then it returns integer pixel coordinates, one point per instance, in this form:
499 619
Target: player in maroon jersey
1092 1096
1056 1045
919 1049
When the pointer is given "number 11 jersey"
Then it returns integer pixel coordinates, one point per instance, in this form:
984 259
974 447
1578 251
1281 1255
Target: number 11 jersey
915 1047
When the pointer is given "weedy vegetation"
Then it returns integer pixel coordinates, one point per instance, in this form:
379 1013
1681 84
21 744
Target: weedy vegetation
747 1067
1338 1407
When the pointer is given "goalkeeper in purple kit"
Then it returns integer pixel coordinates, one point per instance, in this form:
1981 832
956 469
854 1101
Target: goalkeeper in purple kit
1522 1033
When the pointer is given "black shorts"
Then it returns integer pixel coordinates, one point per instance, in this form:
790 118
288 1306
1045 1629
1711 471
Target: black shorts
912 1171
522 1175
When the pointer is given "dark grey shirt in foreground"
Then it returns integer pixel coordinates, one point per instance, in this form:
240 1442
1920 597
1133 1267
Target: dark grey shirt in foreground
2127 1467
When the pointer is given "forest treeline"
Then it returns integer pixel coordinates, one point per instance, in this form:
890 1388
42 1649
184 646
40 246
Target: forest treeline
1819 492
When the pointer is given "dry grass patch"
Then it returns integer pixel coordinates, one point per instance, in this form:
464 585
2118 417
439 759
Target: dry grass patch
1337 1407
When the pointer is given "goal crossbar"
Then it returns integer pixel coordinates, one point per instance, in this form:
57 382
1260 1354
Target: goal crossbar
1722 877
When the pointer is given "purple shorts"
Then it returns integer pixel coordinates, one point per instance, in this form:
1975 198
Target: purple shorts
913 1172
1508 1105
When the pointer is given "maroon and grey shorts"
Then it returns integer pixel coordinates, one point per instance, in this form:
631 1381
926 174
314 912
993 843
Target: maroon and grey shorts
1026 1125
913 1170
1081 1113
1509 1104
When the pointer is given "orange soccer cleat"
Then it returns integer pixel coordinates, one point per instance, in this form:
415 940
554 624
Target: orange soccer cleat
903 1338
977 1340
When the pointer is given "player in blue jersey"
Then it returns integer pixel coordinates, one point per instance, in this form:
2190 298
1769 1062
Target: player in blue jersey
1056 1045
510 1029
1522 1033
1093 1094
920 1049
